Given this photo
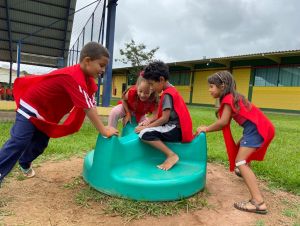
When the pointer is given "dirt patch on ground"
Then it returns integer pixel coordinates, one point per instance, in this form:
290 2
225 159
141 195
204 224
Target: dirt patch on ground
7 115
44 200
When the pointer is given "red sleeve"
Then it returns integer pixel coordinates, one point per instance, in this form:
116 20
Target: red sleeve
78 94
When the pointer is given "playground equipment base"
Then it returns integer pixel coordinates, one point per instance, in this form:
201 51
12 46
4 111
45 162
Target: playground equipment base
126 167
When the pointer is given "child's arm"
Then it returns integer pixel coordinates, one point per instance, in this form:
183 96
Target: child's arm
127 117
219 124
158 122
105 131
151 119
154 116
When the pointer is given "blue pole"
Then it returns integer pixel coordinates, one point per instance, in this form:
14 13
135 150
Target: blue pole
110 35
83 33
77 51
18 57
98 92
92 30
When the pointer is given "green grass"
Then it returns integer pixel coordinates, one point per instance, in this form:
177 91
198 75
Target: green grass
131 209
280 168
259 223
291 210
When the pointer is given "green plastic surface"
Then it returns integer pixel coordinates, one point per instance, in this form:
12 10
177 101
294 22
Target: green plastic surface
126 167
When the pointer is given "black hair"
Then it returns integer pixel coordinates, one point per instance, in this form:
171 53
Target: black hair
225 78
94 51
155 70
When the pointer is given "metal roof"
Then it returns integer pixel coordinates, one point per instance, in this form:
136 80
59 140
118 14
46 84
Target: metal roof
44 26
275 56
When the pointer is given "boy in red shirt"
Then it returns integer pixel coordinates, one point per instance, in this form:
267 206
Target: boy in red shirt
42 101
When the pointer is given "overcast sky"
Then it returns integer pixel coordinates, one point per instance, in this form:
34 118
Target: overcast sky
191 29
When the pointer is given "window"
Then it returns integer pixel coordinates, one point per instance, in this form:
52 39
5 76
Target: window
180 78
289 76
277 76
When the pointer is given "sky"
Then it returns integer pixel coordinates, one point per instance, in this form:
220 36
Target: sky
193 29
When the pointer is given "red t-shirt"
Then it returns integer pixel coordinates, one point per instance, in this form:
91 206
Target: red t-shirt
56 96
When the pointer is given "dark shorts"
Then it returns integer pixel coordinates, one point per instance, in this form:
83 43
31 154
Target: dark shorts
251 137
163 133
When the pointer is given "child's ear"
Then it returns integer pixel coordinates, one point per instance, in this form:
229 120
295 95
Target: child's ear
162 79
86 60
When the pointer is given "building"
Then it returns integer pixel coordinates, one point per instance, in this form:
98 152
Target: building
270 80
4 75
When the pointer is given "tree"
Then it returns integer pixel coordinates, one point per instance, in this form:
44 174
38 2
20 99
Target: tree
138 56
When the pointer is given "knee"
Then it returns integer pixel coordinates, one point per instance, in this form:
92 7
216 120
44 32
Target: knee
41 147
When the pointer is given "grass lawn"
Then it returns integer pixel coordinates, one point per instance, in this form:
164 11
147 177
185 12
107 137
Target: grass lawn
280 168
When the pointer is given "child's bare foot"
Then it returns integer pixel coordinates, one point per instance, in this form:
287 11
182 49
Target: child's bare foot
169 162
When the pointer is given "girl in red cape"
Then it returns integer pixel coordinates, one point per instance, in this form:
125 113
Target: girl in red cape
137 101
173 122
42 101
257 134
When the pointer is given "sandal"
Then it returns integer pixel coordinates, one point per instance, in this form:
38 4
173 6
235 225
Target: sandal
28 172
243 207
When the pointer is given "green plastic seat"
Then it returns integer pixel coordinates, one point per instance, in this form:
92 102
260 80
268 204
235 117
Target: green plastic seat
126 167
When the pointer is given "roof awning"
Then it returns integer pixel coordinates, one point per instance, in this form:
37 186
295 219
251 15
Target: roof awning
44 27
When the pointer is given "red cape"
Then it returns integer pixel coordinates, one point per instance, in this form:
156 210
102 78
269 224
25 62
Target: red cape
264 126
75 119
182 112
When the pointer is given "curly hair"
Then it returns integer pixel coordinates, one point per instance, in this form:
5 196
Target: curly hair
155 70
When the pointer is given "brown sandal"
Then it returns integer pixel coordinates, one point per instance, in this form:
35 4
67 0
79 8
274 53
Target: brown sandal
242 206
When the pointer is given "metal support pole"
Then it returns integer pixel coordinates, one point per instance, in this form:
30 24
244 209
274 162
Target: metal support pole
72 56
19 57
110 35
92 27
10 72
77 51
83 34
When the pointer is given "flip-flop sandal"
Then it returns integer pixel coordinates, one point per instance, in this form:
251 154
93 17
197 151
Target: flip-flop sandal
242 206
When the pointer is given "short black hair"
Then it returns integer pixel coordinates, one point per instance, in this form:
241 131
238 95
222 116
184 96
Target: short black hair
93 50
155 70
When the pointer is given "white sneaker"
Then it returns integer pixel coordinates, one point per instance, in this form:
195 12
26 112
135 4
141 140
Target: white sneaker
28 172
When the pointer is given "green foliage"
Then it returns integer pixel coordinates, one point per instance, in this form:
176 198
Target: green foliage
138 56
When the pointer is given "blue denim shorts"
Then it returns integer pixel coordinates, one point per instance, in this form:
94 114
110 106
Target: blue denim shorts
251 137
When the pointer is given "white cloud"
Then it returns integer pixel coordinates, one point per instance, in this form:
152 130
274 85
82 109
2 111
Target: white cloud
191 29
188 29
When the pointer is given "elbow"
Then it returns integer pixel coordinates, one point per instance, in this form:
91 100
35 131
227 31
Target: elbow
222 124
